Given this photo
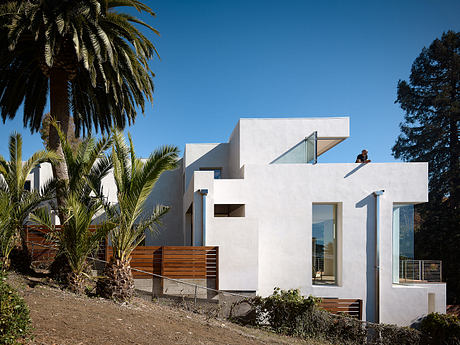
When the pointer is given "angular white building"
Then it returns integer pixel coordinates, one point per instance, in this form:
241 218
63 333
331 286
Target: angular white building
281 218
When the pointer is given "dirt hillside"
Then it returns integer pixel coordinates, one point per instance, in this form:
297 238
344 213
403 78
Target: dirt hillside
62 318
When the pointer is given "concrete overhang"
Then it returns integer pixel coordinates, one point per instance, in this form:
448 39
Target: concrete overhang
325 144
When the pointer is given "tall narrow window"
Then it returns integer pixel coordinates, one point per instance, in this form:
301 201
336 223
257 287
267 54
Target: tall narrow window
324 244
403 240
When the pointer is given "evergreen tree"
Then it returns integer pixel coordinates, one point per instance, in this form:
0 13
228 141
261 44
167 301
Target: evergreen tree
430 133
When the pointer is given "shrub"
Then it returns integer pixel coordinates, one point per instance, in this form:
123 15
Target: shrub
290 313
442 329
282 309
14 315
383 334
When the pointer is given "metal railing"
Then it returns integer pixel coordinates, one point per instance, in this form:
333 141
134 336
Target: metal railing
420 271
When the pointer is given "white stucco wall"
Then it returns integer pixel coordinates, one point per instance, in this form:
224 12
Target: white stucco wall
264 140
278 202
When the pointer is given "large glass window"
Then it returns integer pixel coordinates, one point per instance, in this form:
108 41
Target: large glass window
403 238
324 244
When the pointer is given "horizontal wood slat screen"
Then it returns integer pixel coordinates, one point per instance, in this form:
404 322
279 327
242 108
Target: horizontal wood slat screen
179 262
351 307
145 258
38 235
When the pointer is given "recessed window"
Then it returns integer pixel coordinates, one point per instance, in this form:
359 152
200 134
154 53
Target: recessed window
27 185
403 242
229 210
324 244
217 172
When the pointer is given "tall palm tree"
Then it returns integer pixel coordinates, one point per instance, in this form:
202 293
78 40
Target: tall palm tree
86 165
75 239
7 232
89 56
135 179
15 173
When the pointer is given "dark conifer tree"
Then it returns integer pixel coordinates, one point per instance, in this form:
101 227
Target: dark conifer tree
430 133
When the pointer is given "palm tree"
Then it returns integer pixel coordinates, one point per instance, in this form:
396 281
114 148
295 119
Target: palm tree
135 179
89 56
12 185
7 232
87 165
75 239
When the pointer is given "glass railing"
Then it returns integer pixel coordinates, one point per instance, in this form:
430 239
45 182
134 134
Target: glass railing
303 152
420 271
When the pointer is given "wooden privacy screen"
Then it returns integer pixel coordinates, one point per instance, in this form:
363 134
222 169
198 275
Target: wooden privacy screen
351 307
145 258
179 262
36 237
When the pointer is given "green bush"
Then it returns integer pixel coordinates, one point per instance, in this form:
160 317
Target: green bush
14 315
282 309
441 329
290 313
383 334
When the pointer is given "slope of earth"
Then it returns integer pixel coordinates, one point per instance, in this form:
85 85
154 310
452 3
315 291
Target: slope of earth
62 318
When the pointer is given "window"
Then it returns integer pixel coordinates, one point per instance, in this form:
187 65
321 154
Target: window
27 185
403 238
217 172
324 244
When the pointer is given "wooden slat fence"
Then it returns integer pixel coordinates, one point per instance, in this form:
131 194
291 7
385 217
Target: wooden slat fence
351 307
178 262
145 258
39 235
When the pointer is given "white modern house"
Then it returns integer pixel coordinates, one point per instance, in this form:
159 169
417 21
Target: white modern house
281 218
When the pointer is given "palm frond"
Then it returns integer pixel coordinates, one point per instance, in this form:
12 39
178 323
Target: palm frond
135 180
14 173
98 41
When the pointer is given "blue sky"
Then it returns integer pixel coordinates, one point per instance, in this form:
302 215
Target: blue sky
222 60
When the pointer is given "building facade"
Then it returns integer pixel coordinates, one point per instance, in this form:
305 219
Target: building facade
281 218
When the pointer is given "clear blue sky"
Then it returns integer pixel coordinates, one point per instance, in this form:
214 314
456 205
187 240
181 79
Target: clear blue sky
222 60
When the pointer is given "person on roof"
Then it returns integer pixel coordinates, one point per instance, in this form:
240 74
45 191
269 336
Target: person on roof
362 157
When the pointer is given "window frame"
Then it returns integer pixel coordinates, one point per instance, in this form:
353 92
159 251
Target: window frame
337 248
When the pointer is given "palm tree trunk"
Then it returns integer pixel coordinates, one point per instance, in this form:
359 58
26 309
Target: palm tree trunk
59 102
118 282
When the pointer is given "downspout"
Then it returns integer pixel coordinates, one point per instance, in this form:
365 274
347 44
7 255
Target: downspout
377 195
204 193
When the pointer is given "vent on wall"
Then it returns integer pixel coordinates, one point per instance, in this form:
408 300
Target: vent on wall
229 210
